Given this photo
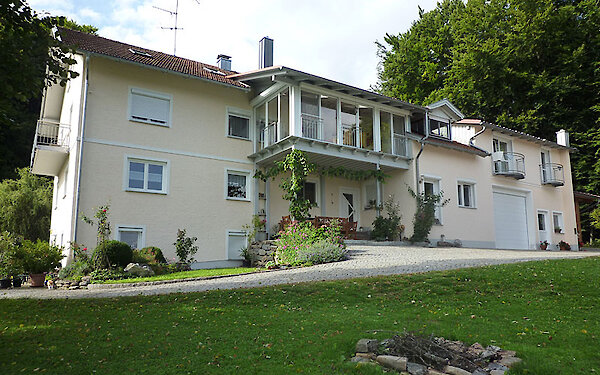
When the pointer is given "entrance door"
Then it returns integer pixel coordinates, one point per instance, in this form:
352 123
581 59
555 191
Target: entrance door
543 226
349 203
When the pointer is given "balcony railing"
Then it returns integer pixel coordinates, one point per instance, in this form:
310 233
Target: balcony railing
50 133
312 126
269 134
349 137
552 174
399 146
510 164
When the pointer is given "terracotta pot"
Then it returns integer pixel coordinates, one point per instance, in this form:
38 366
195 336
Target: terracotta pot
37 280
543 247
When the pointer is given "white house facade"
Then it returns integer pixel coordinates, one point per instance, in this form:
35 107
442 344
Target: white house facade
172 143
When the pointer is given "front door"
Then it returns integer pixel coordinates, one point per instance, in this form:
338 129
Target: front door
543 227
349 203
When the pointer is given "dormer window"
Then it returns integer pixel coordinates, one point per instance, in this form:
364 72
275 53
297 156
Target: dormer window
439 128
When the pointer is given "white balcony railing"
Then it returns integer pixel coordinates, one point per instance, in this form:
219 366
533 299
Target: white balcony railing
399 146
50 147
50 133
552 174
349 135
269 134
511 164
312 126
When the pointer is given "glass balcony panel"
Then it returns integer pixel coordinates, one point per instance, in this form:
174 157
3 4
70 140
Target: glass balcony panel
329 118
365 118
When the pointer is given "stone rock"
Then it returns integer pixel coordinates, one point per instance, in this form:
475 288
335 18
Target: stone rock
487 354
457 243
416 369
83 283
74 287
435 372
456 371
507 353
509 361
480 372
393 362
75 283
497 366
372 356
367 346
497 372
494 348
86 279
140 270
387 343
359 359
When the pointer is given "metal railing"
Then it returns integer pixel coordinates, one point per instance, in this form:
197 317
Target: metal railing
399 145
349 135
552 174
52 133
312 126
510 164
269 134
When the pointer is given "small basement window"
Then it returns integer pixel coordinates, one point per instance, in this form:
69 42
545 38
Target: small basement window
150 108
132 236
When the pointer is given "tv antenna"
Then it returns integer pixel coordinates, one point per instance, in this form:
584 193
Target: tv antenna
174 27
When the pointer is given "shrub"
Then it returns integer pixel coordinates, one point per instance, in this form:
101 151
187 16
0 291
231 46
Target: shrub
75 270
112 253
10 264
184 246
40 256
149 255
319 252
388 228
103 275
298 238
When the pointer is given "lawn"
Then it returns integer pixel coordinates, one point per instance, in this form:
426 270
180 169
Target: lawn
186 275
547 311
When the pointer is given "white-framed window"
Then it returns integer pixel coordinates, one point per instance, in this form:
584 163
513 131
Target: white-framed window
147 176
432 185
238 123
132 235
310 191
150 107
466 194
439 128
557 222
237 185
370 194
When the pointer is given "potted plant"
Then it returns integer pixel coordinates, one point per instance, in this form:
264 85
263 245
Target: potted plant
543 245
38 258
256 230
562 245
247 255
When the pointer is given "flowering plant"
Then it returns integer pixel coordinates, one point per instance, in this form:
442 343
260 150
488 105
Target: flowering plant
302 244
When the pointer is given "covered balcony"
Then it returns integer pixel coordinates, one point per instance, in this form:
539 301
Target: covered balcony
552 174
50 147
509 164
335 129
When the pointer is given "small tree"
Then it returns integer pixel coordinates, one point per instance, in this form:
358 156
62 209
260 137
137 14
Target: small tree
595 216
425 215
184 246
26 206
103 225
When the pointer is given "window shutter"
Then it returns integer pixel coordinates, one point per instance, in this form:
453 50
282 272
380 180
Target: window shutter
151 109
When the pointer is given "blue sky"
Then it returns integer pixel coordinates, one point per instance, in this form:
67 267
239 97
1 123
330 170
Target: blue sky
333 39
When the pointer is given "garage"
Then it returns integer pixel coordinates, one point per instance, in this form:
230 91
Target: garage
510 221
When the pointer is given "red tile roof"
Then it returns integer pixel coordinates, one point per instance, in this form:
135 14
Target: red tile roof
102 46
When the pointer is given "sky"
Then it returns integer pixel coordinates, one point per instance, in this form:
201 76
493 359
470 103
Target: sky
334 39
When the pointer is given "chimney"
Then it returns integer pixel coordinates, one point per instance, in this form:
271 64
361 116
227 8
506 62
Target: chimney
224 62
265 52
562 137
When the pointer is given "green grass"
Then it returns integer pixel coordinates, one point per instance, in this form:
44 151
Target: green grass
549 312
186 275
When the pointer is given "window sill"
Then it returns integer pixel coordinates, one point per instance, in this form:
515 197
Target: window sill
239 138
238 199
167 125
469 207
146 191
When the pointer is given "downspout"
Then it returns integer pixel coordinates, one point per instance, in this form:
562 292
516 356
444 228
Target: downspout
476 134
422 141
80 151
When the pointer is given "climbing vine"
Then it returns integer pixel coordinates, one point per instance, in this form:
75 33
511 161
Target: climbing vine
299 167
425 215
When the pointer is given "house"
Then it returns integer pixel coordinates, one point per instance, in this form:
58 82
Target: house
173 143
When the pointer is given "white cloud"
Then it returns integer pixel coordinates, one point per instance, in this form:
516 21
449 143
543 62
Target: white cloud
333 39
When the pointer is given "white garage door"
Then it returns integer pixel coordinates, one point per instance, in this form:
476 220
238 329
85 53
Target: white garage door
510 220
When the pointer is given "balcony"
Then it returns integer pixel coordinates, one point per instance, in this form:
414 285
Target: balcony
552 174
509 164
50 148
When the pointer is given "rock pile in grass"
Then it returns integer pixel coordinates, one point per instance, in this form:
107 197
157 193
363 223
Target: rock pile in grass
418 355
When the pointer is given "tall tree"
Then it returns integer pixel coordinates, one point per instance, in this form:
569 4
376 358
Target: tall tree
531 65
30 58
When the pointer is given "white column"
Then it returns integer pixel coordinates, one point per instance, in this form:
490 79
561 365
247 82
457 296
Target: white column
376 130
295 112
267 212
278 117
340 133
357 128
322 195
378 184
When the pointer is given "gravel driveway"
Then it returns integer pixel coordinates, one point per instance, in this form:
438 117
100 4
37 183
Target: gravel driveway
364 261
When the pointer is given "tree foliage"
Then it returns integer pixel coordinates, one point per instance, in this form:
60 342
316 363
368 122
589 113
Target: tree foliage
26 206
531 65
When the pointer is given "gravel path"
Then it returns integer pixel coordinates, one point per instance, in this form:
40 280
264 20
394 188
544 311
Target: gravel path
364 261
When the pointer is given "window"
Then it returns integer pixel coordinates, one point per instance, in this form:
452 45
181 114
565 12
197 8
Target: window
146 176
131 235
370 195
237 185
432 186
440 128
557 220
541 221
149 107
309 191
466 195
238 126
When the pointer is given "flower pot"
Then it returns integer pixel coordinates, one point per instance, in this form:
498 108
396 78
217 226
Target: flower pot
543 247
17 281
246 263
4 283
37 280
261 236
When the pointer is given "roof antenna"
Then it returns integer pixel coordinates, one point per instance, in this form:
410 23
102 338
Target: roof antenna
174 28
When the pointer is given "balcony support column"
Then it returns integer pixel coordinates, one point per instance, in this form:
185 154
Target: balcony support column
378 186
376 130
295 112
